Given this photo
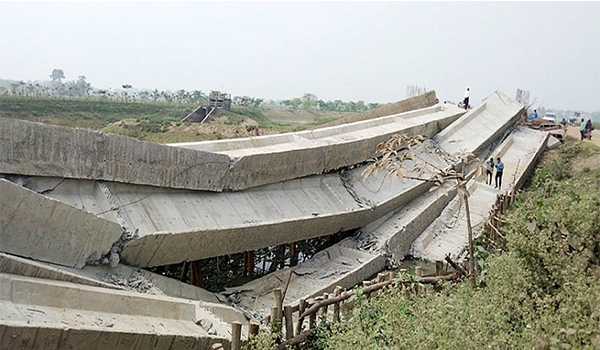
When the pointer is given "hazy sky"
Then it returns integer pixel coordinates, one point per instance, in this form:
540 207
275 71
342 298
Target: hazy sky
336 50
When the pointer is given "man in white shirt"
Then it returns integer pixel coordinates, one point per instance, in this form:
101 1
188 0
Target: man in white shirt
466 101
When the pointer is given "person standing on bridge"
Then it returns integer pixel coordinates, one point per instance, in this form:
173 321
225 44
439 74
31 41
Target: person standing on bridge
499 171
489 170
466 100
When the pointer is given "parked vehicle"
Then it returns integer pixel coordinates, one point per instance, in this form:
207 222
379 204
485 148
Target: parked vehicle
551 117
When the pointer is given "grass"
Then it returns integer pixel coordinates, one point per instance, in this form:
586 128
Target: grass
157 122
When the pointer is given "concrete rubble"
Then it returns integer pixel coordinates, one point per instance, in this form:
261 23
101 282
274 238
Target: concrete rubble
76 226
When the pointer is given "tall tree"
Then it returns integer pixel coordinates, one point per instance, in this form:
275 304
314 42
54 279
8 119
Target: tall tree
57 75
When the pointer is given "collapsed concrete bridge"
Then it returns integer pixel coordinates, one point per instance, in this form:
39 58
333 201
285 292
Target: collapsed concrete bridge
73 197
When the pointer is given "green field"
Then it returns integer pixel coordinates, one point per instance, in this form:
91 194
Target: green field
159 122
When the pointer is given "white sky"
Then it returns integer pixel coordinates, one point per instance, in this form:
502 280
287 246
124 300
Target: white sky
354 51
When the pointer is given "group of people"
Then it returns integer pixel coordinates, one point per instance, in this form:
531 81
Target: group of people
489 170
585 128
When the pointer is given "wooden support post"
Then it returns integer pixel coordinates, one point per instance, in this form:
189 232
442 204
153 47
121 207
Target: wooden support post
312 318
439 267
301 308
236 335
325 297
278 302
293 254
289 326
419 271
184 271
253 328
336 307
196 272
392 275
250 258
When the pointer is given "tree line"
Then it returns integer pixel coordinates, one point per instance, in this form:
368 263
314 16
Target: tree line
81 88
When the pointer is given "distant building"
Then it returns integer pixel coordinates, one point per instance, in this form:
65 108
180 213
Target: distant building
219 99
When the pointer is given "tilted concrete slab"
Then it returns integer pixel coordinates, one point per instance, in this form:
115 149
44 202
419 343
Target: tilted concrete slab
29 148
66 315
33 225
448 234
179 225
486 122
122 277
53 151
274 158
340 265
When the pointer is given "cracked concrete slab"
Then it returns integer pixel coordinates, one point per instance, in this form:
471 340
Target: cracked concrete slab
122 277
178 225
448 234
486 122
37 149
36 226
62 314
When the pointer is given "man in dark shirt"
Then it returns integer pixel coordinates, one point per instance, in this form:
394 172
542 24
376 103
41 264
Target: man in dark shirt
499 171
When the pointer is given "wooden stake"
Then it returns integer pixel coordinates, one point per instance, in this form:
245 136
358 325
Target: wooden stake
439 267
419 271
289 326
325 297
236 335
253 328
278 302
301 309
336 307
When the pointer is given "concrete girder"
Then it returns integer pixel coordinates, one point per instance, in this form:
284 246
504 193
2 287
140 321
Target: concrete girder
33 225
52 151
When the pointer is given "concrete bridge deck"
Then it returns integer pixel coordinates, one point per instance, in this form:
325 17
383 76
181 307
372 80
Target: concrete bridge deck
52 151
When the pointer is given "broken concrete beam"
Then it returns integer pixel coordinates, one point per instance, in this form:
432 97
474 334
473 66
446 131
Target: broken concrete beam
476 130
29 148
448 234
273 158
66 315
53 151
340 265
122 277
42 228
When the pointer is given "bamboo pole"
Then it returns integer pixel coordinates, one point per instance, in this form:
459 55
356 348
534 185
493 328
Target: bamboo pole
336 306
301 309
253 328
312 317
314 307
325 297
278 303
236 335
419 271
289 325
